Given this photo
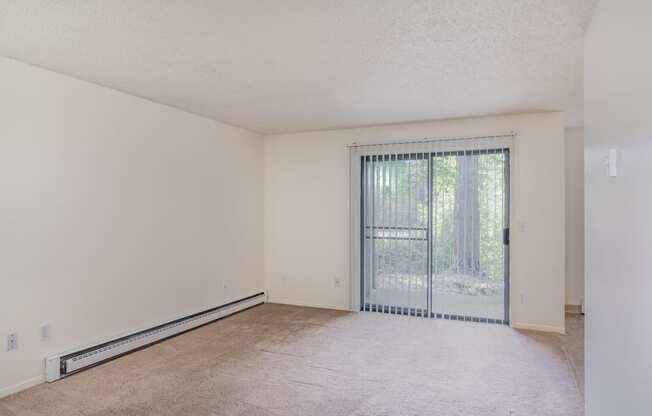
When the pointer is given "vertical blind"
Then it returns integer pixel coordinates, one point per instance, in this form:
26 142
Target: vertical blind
428 219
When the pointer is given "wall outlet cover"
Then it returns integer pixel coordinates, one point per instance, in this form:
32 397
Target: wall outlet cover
45 332
12 341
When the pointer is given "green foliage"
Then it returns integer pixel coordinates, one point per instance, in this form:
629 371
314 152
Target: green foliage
396 210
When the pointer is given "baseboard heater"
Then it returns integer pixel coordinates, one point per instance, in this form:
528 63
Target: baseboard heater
70 362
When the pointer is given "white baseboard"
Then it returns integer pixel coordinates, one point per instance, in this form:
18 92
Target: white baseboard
308 305
541 328
23 385
515 325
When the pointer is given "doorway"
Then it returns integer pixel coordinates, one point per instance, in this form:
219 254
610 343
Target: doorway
435 234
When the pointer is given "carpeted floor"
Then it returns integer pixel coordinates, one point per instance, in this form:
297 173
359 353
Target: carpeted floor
573 345
286 360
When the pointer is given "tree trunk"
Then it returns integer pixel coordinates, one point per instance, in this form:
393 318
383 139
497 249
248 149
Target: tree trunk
467 215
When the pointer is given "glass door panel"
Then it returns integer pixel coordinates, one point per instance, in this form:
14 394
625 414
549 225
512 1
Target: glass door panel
470 201
395 233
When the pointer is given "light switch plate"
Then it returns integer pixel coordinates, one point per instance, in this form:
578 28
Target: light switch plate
612 162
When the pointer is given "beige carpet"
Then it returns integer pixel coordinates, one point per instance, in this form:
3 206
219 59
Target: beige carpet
284 360
573 345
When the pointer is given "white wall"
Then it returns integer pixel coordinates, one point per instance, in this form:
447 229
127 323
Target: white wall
307 212
115 213
618 114
574 216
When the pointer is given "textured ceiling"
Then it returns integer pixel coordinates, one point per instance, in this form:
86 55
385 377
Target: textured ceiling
292 65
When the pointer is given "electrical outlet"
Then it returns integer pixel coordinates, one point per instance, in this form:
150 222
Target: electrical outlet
45 332
337 282
12 341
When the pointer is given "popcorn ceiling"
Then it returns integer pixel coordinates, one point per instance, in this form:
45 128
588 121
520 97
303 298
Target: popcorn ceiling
284 66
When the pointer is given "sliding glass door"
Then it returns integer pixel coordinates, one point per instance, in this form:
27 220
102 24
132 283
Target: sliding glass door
435 234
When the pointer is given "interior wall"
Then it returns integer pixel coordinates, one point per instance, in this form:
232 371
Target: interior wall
574 216
618 106
307 212
116 213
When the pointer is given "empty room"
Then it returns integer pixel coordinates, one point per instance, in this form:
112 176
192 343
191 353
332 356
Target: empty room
368 207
